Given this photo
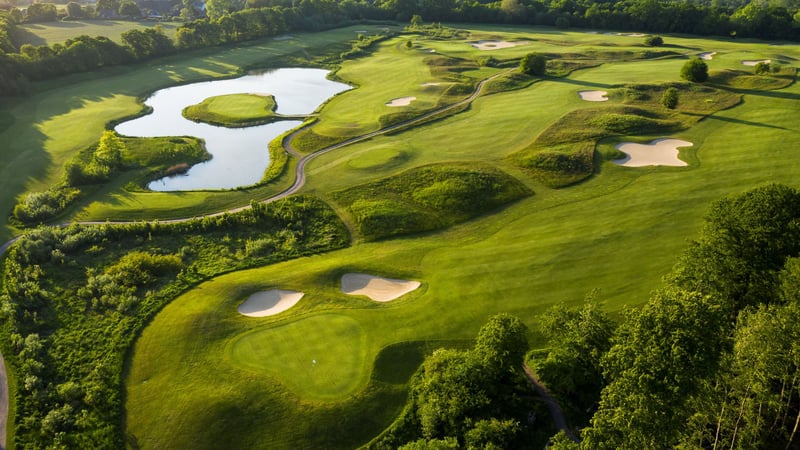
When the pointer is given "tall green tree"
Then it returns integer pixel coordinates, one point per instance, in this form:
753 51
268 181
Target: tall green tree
695 70
533 64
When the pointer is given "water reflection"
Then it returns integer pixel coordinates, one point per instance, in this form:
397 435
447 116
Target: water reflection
240 155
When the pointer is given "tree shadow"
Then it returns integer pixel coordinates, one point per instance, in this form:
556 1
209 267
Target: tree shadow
583 83
744 122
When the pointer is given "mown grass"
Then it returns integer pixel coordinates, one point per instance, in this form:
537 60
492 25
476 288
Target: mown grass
619 231
57 32
234 110
565 153
64 116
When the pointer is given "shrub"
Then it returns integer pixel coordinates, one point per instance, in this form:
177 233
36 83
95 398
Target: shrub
762 68
695 70
670 98
653 41
533 64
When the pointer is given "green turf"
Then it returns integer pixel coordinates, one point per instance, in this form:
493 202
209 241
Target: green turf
619 231
57 32
44 130
325 352
235 110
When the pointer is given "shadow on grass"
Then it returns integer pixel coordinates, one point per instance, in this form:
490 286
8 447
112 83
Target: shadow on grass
582 83
744 122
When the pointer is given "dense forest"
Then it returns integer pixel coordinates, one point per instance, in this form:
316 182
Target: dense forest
229 22
712 359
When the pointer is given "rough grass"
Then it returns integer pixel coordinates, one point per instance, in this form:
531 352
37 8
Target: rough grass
618 232
564 153
427 198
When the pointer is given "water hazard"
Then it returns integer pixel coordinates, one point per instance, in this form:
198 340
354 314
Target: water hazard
240 155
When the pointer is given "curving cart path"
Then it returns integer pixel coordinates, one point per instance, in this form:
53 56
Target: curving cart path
299 182
552 404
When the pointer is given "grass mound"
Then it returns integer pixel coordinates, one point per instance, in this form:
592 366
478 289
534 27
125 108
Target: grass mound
740 79
563 154
235 110
427 198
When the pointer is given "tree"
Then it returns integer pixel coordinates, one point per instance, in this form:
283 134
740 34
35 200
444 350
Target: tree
104 8
501 343
128 8
670 98
533 64
74 10
659 358
218 8
653 41
761 68
41 12
577 340
695 70
109 151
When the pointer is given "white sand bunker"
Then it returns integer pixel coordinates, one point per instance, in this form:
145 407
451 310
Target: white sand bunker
660 152
593 96
753 62
495 45
377 288
402 101
268 303
430 83
708 56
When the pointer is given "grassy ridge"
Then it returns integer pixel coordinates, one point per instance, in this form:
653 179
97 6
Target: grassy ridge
619 232
427 198
564 153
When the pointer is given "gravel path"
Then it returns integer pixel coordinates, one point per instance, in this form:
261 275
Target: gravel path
552 404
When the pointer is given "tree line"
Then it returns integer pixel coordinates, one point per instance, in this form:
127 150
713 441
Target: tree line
231 21
712 359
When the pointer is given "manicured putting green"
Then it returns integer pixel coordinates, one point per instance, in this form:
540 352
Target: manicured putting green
320 356
233 109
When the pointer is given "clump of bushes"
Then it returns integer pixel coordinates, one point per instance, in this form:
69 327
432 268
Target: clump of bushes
670 98
533 64
427 198
653 41
695 70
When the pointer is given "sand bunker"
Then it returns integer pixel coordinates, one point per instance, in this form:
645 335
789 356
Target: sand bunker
660 152
377 288
494 45
593 96
753 62
708 56
402 101
431 83
635 35
268 303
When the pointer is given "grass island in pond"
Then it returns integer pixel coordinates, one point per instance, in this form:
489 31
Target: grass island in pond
236 110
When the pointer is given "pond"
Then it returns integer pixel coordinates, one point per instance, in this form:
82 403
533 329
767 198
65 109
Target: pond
239 155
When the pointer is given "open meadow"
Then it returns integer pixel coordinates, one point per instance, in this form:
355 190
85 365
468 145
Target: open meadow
332 371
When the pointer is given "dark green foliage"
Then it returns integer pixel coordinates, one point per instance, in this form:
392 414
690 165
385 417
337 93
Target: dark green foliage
717 347
659 357
361 47
38 207
743 246
41 12
468 399
695 70
533 64
762 68
576 341
73 299
427 198
670 98
653 41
